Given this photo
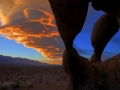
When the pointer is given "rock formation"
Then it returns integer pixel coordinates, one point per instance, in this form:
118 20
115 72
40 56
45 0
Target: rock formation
69 19
106 6
103 30
70 16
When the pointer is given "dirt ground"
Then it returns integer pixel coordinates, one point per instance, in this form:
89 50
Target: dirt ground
32 78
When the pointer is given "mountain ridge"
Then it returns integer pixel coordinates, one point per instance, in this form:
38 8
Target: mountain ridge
8 60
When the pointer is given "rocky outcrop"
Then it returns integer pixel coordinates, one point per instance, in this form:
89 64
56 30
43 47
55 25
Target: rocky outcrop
106 75
70 16
84 75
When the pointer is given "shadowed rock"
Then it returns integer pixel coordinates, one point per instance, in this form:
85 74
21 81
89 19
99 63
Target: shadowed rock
77 67
70 16
118 15
83 75
106 76
110 6
103 30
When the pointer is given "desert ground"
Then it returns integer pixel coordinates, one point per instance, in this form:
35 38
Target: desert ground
32 78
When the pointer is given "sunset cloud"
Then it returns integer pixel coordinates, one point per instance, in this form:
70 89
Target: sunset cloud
56 62
31 24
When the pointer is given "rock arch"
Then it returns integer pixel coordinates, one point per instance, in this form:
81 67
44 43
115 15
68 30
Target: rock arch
70 16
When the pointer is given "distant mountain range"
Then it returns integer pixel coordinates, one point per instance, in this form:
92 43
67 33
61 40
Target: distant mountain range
7 60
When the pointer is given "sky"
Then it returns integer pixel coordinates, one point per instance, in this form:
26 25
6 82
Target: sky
28 30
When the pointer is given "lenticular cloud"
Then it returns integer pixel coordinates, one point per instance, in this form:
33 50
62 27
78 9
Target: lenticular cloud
31 24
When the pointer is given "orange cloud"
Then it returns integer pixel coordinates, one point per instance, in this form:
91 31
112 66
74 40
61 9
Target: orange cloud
41 16
34 28
57 62
35 35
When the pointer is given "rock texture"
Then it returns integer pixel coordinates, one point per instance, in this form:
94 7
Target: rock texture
85 75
